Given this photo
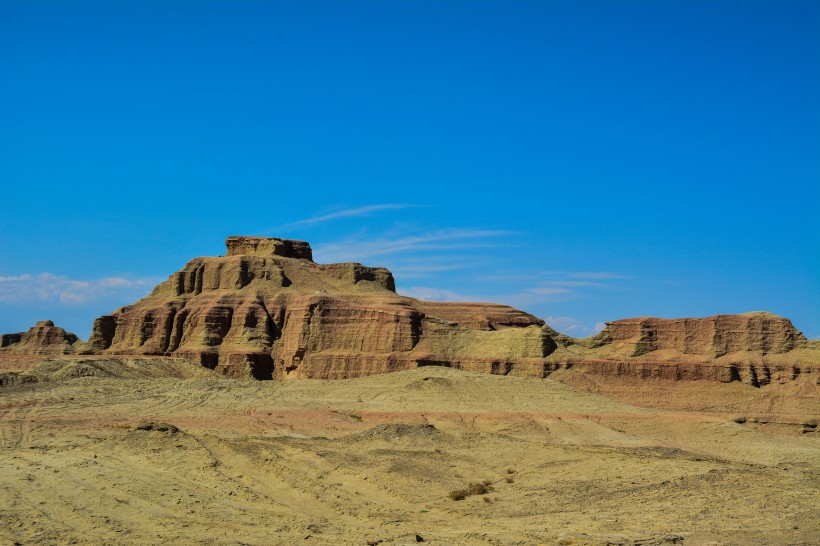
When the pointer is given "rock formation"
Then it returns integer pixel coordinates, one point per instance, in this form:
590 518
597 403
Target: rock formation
42 339
755 348
267 310
712 337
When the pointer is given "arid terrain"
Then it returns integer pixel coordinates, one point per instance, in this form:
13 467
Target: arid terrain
142 451
390 420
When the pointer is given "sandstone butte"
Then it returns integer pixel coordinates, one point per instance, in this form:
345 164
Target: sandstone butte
266 310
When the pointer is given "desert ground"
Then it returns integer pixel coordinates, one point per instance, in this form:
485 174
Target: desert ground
99 452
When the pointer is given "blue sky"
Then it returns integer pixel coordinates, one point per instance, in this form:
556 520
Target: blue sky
584 161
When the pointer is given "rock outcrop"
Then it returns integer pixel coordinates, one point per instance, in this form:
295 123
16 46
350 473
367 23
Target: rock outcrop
756 348
267 310
42 339
712 337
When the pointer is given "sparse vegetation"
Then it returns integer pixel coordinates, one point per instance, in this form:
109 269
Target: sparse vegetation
476 488
480 488
740 419
510 471
161 427
457 494
509 479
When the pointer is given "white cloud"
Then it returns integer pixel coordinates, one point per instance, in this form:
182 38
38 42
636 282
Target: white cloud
445 239
48 287
416 270
24 277
572 326
433 294
525 289
346 213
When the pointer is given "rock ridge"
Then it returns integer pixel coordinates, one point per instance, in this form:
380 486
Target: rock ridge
713 336
266 310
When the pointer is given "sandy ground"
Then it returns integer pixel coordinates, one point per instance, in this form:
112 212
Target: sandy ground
373 460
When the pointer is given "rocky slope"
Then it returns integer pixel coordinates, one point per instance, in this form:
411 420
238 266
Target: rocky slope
267 310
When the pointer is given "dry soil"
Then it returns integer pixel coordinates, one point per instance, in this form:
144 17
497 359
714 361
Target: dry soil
90 460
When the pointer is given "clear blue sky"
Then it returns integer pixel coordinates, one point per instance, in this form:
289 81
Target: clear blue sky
585 161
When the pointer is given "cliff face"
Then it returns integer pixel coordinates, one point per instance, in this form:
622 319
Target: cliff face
755 348
266 310
42 339
712 336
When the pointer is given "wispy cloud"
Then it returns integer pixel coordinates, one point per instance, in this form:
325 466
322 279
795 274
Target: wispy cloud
549 291
434 294
346 213
445 239
564 324
572 326
534 296
599 275
574 284
48 287
580 278
416 270
533 292
528 288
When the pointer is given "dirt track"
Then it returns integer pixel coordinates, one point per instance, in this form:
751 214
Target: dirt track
374 459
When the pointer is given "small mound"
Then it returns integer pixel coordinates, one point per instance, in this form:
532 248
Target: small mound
11 379
159 427
159 447
427 383
62 369
68 369
396 431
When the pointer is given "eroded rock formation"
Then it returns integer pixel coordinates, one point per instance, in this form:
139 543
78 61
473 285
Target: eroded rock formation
756 348
267 310
712 336
42 339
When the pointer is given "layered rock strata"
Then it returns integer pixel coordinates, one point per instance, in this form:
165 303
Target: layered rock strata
267 310
756 348
712 337
41 339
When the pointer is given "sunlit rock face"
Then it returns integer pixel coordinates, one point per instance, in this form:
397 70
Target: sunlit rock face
42 339
712 336
266 310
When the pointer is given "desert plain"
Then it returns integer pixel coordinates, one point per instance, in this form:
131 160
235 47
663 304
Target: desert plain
140 451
